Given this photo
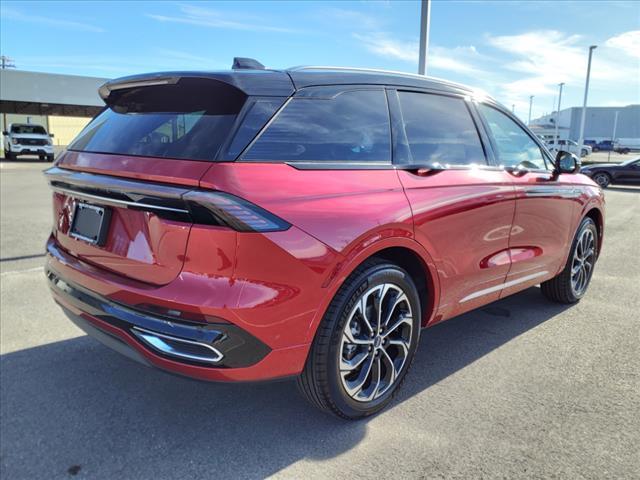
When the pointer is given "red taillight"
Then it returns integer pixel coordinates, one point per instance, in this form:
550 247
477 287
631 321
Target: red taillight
234 212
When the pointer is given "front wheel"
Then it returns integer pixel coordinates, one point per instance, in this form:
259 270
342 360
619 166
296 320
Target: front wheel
572 283
365 343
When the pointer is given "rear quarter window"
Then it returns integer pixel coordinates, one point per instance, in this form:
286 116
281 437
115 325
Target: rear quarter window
351 126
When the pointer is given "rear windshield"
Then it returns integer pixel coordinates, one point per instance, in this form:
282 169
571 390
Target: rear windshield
28 129
190 120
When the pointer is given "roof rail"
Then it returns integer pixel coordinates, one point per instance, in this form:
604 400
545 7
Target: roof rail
376 70
244 63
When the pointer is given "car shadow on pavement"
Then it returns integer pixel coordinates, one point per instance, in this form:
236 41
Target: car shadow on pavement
75 406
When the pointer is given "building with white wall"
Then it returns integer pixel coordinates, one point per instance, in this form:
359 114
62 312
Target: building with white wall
599 123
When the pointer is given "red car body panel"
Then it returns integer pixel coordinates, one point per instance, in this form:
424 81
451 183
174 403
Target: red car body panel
477 233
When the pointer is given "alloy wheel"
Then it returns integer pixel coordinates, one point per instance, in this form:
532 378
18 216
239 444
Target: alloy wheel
375 342
583 260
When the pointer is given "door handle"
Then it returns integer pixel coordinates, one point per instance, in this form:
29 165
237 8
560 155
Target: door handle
423 169
517 171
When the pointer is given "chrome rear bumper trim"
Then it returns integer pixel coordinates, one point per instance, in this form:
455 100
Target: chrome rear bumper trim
160 342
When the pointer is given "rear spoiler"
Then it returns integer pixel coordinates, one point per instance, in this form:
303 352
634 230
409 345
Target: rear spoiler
269 83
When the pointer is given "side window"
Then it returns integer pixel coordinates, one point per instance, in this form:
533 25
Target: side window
351 126
515 147
440 129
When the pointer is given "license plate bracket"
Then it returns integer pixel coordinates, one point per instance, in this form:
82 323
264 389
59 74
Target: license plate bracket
90 223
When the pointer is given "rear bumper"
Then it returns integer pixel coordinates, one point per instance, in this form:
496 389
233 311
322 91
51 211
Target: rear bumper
212 351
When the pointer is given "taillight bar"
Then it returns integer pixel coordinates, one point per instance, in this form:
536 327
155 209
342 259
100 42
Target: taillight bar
194 206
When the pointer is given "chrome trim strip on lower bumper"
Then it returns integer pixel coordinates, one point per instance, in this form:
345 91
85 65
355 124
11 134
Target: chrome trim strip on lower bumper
160 342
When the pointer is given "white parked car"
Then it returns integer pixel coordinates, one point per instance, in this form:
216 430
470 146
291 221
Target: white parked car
27 139
569 146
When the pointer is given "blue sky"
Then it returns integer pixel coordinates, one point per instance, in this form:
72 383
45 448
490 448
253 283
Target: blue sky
510 49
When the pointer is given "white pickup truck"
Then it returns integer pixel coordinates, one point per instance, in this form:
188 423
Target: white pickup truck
569 146
27 139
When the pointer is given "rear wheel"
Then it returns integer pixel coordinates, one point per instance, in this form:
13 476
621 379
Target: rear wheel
365 343
572 283
602 179
49 158
8 155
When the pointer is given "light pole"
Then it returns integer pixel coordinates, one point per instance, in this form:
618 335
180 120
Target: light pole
586 93
556 138
530 105
425 14
613 135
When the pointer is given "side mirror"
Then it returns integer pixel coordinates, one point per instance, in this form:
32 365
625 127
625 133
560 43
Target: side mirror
567 162
51 135
5 133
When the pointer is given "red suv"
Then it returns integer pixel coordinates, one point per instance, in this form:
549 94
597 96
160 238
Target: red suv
257 224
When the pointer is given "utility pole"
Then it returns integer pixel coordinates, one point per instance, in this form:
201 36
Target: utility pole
613 135
586 93
425 14
556 137
530 105
6 62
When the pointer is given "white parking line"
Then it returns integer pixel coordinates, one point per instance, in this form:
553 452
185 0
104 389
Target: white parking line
26 270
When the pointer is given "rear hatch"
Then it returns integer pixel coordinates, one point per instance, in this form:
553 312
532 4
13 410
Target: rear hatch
118 190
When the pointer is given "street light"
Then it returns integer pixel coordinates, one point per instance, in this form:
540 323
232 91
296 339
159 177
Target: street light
584 103
425 13
613 135
530 105
558 114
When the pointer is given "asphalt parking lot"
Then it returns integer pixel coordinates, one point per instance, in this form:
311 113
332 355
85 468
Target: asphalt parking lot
521 388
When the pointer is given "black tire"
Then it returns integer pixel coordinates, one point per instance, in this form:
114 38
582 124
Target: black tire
8 155
321 382
50 158
561 289
603 179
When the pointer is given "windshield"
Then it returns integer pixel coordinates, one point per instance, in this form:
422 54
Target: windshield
629 162
28 129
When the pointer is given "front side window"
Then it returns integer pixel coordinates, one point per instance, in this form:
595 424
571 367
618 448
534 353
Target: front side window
514 146
351 126
440 129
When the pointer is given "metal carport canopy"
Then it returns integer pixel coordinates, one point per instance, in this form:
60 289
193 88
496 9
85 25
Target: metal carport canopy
49 93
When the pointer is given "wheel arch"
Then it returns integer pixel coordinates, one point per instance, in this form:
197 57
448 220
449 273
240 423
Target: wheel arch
406 253
596 215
